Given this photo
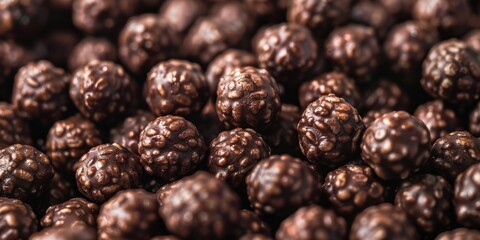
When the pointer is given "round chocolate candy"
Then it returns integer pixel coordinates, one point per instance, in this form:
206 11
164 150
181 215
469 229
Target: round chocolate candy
17 220
13 129
248 97
288 51
385 94
250 223
234 153
130 214
467 197
40 92
459 234
281 184
427 200
105 170
77 232
372 115
127 133
12 57
24 172
180 15
472 39
73 212
282 137
439 119
102 91
200 207
374 15
396 145
176 87
354 50
22 19
90 49
352 188
170 148
474 121
329 131
450 72
68 140
453 153
234 20
313 222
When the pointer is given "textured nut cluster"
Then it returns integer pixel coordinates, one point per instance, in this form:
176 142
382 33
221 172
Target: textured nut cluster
174 16
385 94
439 119
374 15
459 234
176 87
171 147
200 207
248 97
102 89
77 232
90 49
234 153
13 129
467 196
282 137
17 220
280 184
250 223
474 121
396 145
313 222
70 213
451 17
352 188
130 214
105 170
329 131
451 72
24 172
372 115
128 132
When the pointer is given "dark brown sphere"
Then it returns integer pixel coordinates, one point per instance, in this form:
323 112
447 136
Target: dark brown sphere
329 131
374 15
472 39
176 87
385 94
354 50
439 119
248 97
17 220
180 15
127 133
22 18
288 51
333 82
313 222
352 188
90 49
250 223
451 72
282 137
474 121
396 145
13 129
68 140
102 91
459 234
200 207
372 115
467 197
40 92
105 170
73 212
12 57
453 153
171 147
234 153
281 184
235 21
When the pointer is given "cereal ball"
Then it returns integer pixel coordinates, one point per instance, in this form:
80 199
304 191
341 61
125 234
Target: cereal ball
234 20
90 49
75 211
13 128
372 115
385 94
374 15
77 232
17 220
127 133
438 118
467 196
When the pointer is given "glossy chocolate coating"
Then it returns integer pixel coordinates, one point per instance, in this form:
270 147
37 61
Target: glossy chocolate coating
17 220
75 211
439 119
77 232
180 15
385 94
467 196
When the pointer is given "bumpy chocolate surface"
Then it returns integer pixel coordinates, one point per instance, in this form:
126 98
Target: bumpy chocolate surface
13 129
234 20
374 15
22 18
105 170
200 207
467 196
474 121
17 220
451 72
459 234
176 87
130 214
396 145
248 97
25 172
102 90
180 15
372 115
250 223
329 130
12 57
385 94
439 119
90 49
171 147
128 132
312 222
77 232
281 184
234 153
73 212
282 137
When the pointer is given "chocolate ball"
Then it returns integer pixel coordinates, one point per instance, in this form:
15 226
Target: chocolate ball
200 207
281 184
25 172
250 223
396 145
288 51
68 140
383 221
176 87
352 188
439 119
17 219
372 115
459 234
77 232
450 72
313 222
333 82
234 153
22 18
127 133
374 15
282 137
12 57
401 9
105 170
234 20
474 121
40 92
329 131
102 91
90 49
354 50
453 153
70 213
385 94
472 39
180 15
145 41
171 147
130 214
248 97
13 129
467 196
